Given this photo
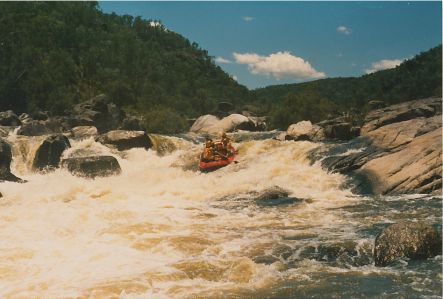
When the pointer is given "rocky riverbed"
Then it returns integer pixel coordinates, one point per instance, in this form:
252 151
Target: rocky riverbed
318 212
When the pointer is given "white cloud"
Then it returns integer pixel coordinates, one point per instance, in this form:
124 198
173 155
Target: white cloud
235 78
248 19
279 65
384 65
222 60
344 30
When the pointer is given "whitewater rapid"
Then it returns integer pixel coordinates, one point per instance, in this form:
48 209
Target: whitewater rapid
162 229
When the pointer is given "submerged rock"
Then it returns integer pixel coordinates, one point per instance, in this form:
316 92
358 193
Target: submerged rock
49 152
5 163
91 167
414 240
125 140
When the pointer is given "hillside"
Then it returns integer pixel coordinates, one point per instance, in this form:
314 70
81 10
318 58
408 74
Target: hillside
419 77
55 54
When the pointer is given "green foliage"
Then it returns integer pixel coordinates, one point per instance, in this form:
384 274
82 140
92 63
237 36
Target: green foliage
55 54
309 105
164 120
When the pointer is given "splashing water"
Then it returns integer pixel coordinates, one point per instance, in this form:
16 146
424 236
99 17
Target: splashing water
162 229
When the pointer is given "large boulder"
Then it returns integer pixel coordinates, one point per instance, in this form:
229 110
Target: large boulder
5 163
100 112
231 123
49 152
9 118
125 140
203 122
304 130
93 166
414 240
40 127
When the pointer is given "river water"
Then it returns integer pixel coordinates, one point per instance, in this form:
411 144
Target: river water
162 229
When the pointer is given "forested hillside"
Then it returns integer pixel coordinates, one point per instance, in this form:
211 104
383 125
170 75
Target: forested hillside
55 54
418 77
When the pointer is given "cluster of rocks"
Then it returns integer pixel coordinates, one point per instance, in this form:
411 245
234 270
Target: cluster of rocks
226 119
212 124
339 128
97 118
399 150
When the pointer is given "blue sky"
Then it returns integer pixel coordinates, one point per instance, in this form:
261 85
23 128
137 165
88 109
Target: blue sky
268 43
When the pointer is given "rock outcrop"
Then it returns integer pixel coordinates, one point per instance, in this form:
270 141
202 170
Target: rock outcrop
125 140
91 167
5 163
414 240
49 152
400 150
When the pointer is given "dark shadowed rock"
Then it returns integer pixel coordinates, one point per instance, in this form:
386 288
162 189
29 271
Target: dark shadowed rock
99 112
91 167
49 152
340 131
5 163
125 140
414 240
9 118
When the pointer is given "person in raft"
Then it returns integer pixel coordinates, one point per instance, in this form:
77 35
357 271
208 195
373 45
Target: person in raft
208 151
227 149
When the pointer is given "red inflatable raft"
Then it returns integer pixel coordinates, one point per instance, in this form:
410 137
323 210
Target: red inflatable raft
213 165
